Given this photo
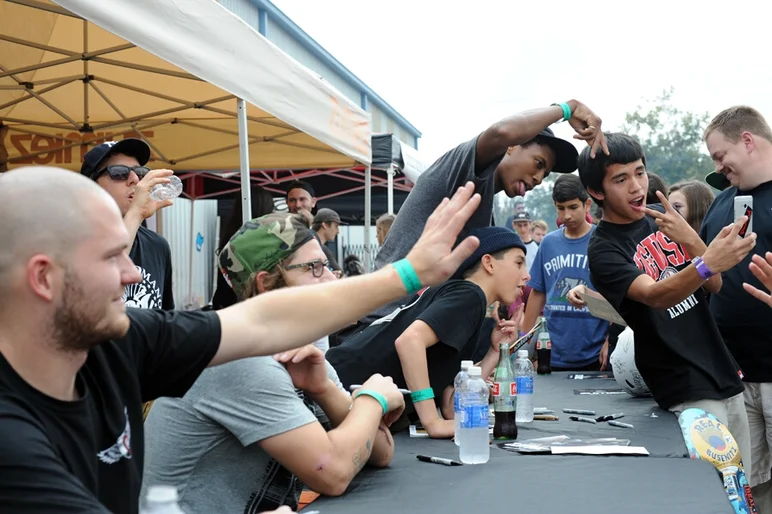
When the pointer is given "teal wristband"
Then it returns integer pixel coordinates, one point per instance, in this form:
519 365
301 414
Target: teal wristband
377 396
566 110
422 395
408 275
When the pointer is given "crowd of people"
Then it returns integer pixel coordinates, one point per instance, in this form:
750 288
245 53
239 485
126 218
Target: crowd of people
106 389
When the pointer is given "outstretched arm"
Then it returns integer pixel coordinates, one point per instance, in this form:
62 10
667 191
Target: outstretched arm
250 328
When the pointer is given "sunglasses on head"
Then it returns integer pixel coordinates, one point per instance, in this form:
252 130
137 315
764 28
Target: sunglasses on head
121 172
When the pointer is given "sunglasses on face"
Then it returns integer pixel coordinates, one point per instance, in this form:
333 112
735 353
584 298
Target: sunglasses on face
121 172
316 266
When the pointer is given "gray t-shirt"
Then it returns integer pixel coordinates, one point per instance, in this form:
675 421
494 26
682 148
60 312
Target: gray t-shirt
442 179
205 443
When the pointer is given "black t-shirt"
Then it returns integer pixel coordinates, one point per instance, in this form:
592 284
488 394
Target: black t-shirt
744 322
454 310
153 258
678 351
87 455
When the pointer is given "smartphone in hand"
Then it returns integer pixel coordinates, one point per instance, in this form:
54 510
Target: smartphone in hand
743 206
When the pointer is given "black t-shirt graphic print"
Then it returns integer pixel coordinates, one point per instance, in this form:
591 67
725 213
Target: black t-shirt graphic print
678 350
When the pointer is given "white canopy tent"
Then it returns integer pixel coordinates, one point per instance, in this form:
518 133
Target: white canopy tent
177 74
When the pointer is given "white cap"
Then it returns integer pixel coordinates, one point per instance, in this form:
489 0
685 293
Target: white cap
522 354
162 494
474 371
467 364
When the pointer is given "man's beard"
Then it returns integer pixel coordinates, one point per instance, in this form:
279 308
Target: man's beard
79 324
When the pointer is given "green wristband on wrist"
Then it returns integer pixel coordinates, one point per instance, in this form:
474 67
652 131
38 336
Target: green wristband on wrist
566 110
408 275
378 396
422 395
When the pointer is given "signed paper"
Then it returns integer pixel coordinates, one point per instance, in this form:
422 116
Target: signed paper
600 308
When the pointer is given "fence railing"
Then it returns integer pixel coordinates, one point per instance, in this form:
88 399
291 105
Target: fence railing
359 251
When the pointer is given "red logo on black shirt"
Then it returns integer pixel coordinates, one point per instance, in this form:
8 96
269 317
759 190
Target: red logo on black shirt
659 257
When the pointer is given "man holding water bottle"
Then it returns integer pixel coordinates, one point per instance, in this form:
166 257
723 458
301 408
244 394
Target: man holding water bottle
740 143
119 167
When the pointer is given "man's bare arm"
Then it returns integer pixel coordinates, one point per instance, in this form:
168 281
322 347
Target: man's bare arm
250 328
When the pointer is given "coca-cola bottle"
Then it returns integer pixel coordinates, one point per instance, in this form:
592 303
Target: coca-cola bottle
543 349
504 396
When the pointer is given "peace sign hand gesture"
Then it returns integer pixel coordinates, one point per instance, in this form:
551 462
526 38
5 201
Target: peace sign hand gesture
671 223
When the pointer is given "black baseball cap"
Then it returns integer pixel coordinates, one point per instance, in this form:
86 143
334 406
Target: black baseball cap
301 184
95 158
565 152
718 180
521 216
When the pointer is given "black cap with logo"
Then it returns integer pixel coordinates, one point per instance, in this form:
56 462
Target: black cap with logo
95 158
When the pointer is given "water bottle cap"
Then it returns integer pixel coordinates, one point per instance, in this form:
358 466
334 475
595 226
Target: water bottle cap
522 354
162 494
467 364
475 371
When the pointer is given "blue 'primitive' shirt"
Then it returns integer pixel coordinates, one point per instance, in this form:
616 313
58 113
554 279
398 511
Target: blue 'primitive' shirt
560 265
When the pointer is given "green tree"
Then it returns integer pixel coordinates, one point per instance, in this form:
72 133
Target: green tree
671 139
538 202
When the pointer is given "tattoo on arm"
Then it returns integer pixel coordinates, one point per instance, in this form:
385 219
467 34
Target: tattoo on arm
360 458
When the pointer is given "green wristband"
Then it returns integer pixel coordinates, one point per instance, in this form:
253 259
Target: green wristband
378 396
422 395
566 110
408 275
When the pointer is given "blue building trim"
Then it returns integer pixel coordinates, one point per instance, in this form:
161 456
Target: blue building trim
262 22
363 100
286 24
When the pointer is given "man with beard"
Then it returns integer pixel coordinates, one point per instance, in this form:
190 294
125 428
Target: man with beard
76 364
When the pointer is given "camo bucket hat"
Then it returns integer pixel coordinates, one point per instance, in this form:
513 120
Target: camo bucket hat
259 245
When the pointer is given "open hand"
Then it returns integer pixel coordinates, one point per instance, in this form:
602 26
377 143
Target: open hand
762 269
142 202
307 368
728 248
434 257
671 223
587 125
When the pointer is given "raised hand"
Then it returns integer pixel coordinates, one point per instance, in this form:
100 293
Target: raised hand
142 202
762 269
433 257
728 248
671 223
587 125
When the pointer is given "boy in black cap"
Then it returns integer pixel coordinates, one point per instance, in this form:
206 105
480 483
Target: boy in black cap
421 345
119 167
514 156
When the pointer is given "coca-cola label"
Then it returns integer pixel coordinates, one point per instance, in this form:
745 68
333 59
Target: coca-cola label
513 388
543 345
496 390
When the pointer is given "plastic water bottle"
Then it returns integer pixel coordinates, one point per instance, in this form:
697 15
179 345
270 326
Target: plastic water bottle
168 191
524 379
161 499
458 385
475 443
